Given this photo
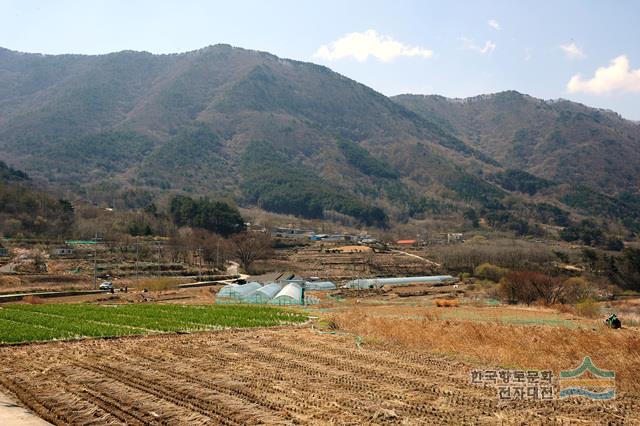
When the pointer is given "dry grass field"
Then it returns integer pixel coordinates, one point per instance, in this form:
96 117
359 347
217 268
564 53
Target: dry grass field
510 338
270 376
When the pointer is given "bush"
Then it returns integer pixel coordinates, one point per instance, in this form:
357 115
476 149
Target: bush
587 308
33 300
490 272
447 303
528 287
576 289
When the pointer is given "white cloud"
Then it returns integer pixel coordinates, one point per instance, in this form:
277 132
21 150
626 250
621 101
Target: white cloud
572 51
618 76
469 44
494 24
369 43
489 46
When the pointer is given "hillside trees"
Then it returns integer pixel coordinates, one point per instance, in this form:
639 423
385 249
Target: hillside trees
25 211
215 216
277 184
361 159
521 181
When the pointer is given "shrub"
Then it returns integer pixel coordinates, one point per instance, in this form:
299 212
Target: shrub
33 300
447 303
528 287
490 272
588 308
576 289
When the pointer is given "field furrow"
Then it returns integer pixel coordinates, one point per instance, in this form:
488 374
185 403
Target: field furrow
267 376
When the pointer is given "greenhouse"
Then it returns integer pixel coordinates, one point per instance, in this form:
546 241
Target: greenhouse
264 294
319 285
238 291
380 282
291 294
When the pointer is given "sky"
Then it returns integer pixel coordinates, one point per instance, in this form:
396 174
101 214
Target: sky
586 51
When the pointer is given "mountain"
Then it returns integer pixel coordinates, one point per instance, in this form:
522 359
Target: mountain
559 140
290 137
186 122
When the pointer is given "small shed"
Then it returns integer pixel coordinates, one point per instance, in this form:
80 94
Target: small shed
4 252
61 251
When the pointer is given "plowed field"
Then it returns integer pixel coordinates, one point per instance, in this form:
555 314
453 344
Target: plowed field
267 376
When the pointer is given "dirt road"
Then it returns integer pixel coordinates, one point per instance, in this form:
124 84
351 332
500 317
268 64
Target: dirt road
268 376
12 414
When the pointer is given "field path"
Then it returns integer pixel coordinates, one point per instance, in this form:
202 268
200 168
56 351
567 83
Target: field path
415 256
287 375
12 414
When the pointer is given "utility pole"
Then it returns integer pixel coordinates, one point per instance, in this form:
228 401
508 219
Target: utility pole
136 261
159 264
95 265
199 251
217 253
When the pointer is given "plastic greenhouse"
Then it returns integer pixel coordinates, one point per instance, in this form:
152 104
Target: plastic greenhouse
379 282
264 294
237 291
319 285
291 294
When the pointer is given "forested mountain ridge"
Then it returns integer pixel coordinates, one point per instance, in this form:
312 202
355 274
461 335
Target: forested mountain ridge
559 140
284 135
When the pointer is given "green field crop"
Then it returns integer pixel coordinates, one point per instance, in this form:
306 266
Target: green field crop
29 323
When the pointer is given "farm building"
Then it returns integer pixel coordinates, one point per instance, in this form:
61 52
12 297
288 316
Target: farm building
61 251
340 237
454 237
407 242
380 282
290 232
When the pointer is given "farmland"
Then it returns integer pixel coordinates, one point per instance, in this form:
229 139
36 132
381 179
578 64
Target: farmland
28 323
268 376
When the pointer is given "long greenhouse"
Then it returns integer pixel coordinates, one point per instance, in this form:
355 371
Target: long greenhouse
380 282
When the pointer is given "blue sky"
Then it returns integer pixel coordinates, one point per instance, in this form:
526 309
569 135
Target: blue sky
548 49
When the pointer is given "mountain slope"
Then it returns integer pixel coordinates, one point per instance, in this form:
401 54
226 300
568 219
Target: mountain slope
182 122
287 136
558 140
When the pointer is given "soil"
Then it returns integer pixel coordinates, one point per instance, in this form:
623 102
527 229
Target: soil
268 376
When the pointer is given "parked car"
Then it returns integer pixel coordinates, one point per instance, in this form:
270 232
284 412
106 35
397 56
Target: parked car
107 285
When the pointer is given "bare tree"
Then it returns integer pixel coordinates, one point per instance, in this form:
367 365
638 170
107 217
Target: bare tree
248 247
